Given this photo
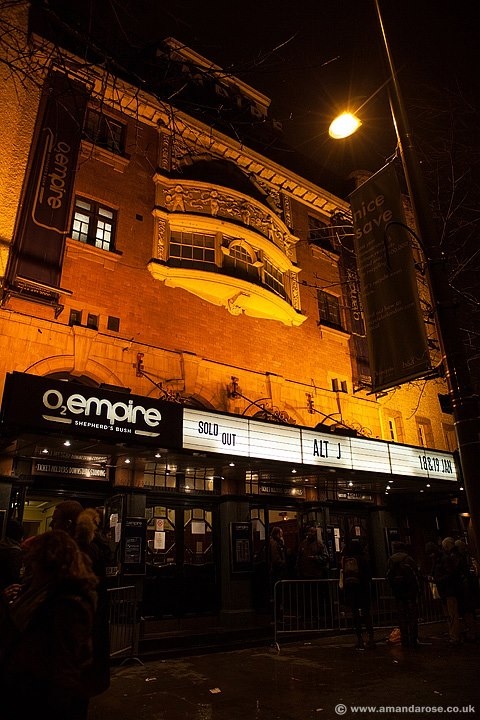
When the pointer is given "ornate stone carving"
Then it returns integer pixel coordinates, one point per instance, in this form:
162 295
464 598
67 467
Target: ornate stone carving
233 307
289 247
165 151
295 293
175 199
220 203
161 250
287 210
272 194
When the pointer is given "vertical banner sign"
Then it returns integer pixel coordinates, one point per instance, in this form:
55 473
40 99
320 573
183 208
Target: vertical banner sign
351 285
396 335
42 223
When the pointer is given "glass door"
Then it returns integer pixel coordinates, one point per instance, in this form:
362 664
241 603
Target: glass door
199 571
181 576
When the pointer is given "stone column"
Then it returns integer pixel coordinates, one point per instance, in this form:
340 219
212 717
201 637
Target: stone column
236 588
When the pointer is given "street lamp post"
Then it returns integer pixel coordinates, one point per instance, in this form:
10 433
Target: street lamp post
465 403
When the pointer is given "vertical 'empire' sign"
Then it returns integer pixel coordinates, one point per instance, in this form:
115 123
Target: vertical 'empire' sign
351 283
397 340
42 222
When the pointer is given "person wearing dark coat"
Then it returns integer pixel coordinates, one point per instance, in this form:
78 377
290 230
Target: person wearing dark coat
278 566
11 555
83 526
357 588
403 577
46 633
446 573
312 564
278 555
468 600
312 560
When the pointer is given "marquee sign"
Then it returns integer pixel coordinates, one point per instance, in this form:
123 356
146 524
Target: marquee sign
233 435
35 404
39 403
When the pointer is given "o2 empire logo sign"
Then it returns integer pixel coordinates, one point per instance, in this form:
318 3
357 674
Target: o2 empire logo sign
100 413
38 403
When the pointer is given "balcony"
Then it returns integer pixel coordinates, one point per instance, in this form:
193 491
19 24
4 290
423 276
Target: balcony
227 247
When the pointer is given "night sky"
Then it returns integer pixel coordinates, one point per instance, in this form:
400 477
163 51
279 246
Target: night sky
315 56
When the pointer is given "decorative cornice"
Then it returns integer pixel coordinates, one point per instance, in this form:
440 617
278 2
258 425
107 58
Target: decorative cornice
179 199
189 133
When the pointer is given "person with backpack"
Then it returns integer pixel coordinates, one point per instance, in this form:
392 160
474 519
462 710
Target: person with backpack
403 577
357 578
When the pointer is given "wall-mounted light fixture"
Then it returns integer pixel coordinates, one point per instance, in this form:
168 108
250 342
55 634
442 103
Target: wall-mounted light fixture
233 388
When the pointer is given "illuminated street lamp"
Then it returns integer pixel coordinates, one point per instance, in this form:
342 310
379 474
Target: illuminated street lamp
465 403
348 122
344 125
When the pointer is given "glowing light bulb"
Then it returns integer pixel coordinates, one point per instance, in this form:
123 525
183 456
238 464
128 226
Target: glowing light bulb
343 126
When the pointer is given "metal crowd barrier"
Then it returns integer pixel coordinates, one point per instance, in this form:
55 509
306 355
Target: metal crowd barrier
123 622
316 606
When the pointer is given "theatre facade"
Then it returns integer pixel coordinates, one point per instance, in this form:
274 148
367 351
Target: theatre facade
189 495
182 342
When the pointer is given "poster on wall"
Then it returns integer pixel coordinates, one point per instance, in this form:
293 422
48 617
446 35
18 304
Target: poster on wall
332 544
392 535
134 546
241 547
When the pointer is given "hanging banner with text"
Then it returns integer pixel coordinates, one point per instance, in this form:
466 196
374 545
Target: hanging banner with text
351 284
397 340
38 246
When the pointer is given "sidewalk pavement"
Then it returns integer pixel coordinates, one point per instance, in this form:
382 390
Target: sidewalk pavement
323 679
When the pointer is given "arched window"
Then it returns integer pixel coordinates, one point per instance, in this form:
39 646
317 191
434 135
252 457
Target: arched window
240 259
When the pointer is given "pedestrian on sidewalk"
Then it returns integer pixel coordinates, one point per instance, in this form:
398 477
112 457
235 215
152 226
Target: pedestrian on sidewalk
84 526
278 569
46 633
312 560
312 564
278 557
445 570
403 577
11 555
469 595
357 578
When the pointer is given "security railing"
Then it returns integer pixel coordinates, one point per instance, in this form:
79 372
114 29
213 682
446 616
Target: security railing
317 606
123 622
